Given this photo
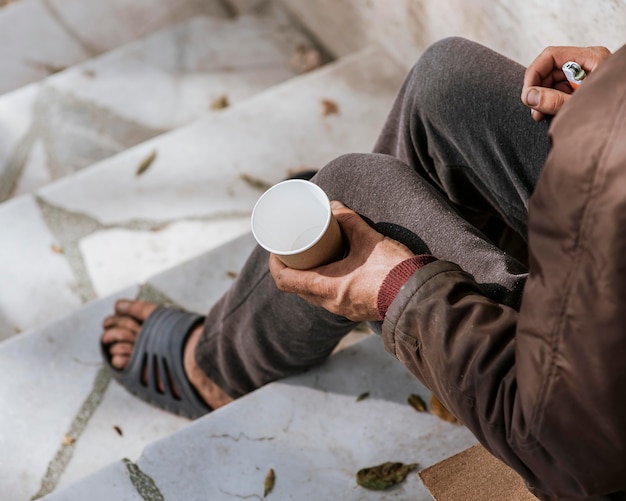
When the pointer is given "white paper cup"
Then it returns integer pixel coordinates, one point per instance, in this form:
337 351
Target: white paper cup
293 220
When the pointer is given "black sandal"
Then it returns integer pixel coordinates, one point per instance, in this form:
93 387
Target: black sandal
159 351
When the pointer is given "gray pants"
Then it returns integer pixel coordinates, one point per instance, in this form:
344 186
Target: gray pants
450 175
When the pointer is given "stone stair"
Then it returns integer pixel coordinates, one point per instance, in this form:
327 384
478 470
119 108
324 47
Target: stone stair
93 110
165 216
42 37
106 227
77 435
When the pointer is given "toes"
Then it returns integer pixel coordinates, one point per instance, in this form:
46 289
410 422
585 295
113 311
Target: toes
121 322
117 335
140 310
121 349
120 361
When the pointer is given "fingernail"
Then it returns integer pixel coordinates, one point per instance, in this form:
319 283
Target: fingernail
336 204
122 304
532 98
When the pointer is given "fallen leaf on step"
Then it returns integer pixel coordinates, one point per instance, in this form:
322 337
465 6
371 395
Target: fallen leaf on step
363 396
68 440
220 103
377 478
270 480
256 183
437 408
145 164
305 59
302 172
57 248
417 403
231 274
329 107
49 68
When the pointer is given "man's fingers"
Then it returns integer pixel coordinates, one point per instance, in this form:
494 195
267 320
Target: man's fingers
289 280
547 66
543 100
353 226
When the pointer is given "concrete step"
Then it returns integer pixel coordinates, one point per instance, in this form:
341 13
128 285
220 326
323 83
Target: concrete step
40 37
55 386
63 419
312 430
113 224
107 104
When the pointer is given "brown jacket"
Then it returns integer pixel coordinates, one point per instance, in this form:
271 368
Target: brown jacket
544 388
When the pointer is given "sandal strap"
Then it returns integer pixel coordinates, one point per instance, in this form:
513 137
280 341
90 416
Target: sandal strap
159 350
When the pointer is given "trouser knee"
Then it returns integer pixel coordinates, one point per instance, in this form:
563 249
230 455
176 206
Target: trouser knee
446 70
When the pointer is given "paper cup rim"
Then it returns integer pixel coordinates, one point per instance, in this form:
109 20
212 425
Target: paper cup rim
300 249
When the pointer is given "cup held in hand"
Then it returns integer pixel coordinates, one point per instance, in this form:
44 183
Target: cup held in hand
293 220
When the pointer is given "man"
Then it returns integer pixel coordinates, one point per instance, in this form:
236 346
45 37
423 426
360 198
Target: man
510 311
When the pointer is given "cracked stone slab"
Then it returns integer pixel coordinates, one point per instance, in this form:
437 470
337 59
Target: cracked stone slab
310 429
75 30
53 386
110 103
89 420
37 280
201 174
204 168
186 67
150 252
198 283
123 425
120 427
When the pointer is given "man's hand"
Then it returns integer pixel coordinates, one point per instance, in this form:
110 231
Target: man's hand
348 287
545 88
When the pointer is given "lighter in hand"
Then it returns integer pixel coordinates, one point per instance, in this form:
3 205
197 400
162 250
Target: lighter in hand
574 74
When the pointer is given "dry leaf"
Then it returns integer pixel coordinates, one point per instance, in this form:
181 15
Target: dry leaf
89 73
329 107
231 274
270 480
57 248
377 478
363 396
49 68
118 430
417 403
220 103
68 440
437 408
302 172
305 59
253 182
146 163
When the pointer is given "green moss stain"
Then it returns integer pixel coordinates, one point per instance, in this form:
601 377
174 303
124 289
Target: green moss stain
144 484
61 459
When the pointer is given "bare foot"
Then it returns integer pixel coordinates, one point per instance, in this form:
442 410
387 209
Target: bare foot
121 331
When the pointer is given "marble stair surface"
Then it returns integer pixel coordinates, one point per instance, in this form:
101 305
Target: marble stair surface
74 246
41 37
71 433
121 220
107 104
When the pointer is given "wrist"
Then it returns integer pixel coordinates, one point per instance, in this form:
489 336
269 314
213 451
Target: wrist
396 278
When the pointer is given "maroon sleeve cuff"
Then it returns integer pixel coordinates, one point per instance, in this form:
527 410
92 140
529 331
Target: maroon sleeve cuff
397 277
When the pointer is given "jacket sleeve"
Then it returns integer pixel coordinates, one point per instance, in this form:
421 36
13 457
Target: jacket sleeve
543 389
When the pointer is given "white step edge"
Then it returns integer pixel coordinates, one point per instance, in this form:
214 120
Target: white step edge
109 103
312 430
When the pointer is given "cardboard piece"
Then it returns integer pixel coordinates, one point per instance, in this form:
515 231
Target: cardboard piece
474 475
